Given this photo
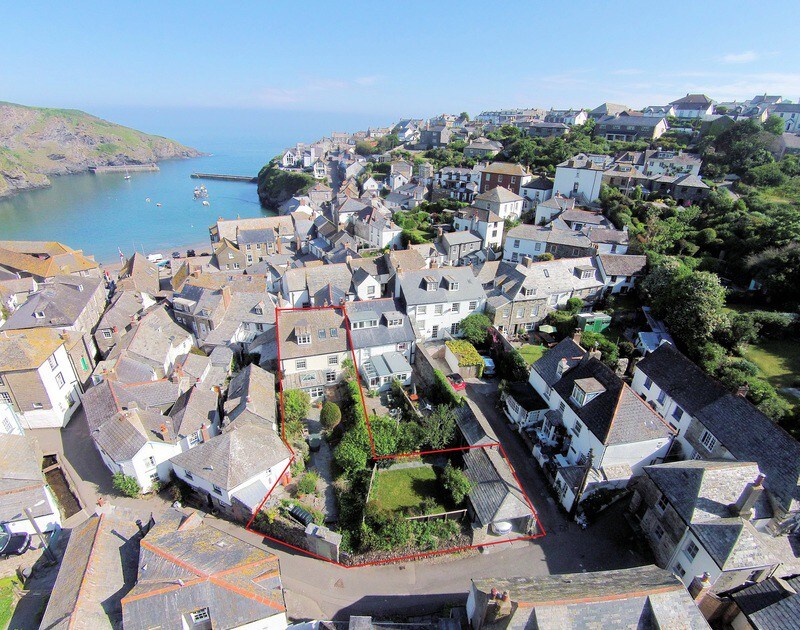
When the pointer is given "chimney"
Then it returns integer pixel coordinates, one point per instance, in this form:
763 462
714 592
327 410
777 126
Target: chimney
226 296
164 432
204 433
752 491
699 586
576 336
562 367
742 390
439 232
527 262
497 608
348 259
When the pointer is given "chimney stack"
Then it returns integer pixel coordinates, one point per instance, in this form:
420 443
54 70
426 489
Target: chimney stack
742 390
751 493
699 586
204 433
576 336
562 367
527 262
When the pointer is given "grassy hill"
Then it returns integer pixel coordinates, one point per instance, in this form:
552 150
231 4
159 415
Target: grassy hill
38 141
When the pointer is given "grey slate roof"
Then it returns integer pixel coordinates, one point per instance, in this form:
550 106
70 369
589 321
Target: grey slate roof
641 597
623 264
251 396
320 323
771 604
414 292
186 565
547 365
733 543
615 416
382 335
495 495
61 301
194 409
235 456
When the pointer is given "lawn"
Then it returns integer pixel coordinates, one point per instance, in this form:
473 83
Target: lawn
779 362
404 489
532 353
7 599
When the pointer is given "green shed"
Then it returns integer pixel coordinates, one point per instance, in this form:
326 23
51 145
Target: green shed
594 322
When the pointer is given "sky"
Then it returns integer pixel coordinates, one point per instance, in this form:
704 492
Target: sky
389 59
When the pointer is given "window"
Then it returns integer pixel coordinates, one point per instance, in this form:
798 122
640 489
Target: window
662 396
576 430
708 440
516 244
38 406
236 266
150 461
259 310
218 490
691 550
371 290
662 503
561 407
473 305
394 323
437 309
330 377
5 397
421 310
188 475
648 383
60 379
456 307
520 313
658 531
303 340
677 413
52 361
454 328
333 359
107 333
316 392
679 570
193 439
527 292
300 364
230 255
334 332
259 327
321 334
435 332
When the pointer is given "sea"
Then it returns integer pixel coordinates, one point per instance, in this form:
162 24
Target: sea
107 214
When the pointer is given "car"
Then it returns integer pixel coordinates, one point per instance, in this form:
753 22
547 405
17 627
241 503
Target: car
488 366
190 253
456 382
14 544
155 258
176 254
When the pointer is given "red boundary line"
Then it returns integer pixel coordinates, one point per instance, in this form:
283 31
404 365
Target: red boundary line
376 457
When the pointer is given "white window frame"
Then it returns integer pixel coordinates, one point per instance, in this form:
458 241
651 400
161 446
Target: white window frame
300 364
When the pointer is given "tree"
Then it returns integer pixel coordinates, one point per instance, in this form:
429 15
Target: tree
456 483
330 415
296 404
464 116
126 485
774 125
352 452
439 427
574 305
307 483
695 311
475 328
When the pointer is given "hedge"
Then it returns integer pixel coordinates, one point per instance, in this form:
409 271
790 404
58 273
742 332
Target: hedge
466 354
443 391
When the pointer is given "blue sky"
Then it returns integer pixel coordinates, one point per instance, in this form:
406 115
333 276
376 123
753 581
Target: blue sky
392 58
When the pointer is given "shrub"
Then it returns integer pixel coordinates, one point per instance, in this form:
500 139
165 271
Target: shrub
126 485
439 427
510 365
475 328
296 404
308 483
443 391
456 483
330 415
574 305
774 325
466 354
609 353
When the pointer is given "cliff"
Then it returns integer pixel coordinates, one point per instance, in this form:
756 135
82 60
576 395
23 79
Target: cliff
36 142
276 186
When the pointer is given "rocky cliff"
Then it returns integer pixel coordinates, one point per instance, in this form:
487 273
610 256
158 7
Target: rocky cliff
276 186
36 142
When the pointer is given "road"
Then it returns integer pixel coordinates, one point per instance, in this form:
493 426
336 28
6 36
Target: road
319 590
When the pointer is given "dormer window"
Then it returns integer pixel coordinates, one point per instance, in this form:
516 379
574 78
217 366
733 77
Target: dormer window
394 323
527 292
259 310
38 314
585 390
430 283
452 285
302 333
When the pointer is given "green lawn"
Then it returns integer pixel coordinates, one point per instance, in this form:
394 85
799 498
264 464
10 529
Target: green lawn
7 599
779 362
532 353
403 489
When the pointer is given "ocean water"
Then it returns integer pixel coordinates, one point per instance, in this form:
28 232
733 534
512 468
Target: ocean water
103 213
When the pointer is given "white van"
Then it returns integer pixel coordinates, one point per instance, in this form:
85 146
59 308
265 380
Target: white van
155 258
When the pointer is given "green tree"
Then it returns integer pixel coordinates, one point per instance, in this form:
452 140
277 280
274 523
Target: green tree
456 483
296 404
330 415
307 483
439 427
696 310
126 485
475 328
774 125
352 452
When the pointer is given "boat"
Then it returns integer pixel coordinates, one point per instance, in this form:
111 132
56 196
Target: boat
200 192
206 203
158 204
127 176
147 199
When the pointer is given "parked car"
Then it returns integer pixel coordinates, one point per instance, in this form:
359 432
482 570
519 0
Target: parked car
488 366
14 544
456 381
176 254
190 253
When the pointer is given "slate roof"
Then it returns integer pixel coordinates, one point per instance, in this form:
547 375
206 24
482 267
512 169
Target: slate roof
186 565
640 597
505 168
62 302
382 335
97 570
703 491
44 259
460 238
139 274
320 323
27 349
626 265
480 214
251 396
547 365
733 543
495 495
195 408
647 122
413 286
406 260
124 305
235 456
540 183
526 396
500 194
615 416
549 234
771 603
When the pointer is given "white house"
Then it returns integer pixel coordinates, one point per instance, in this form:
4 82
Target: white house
581 176
501 201
438 299
483 222
370 186
536 191
38 376
693 106
620 272
598 432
